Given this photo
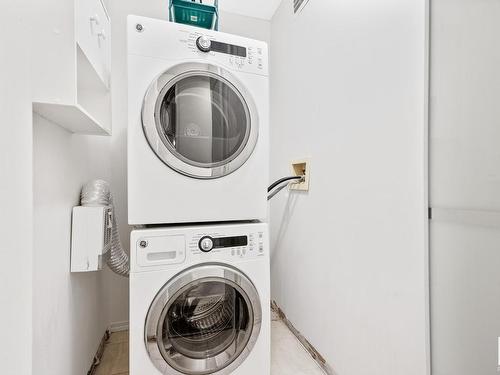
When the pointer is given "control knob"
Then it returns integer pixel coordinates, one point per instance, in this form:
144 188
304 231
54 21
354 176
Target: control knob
206 244
203 43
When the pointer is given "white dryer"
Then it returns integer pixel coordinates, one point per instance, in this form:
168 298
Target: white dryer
199 300
198 124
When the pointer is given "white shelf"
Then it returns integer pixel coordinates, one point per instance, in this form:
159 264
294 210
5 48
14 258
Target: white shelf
72 117
72 65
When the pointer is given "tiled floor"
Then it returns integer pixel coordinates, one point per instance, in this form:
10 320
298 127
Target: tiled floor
115 356
288 355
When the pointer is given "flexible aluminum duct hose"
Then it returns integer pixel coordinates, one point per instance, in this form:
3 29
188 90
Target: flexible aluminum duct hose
98 193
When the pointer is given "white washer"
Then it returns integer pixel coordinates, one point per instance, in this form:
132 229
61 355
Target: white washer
198 124
200 300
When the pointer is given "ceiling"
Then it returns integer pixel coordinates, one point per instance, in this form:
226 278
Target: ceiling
251 8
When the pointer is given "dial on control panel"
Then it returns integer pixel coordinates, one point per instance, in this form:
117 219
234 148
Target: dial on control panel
203 43
206 244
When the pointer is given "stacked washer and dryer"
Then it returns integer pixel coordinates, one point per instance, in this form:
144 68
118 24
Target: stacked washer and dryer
197 178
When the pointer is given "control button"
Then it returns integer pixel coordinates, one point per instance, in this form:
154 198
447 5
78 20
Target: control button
206 244
232 252
244 251
261 248
203 43
239 252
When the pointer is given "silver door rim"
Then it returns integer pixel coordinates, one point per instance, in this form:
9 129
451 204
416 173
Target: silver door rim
159 145
171 289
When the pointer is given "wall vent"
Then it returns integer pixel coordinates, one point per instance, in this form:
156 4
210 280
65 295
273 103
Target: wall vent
298 5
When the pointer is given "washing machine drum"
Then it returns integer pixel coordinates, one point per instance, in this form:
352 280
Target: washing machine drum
205 321
200 121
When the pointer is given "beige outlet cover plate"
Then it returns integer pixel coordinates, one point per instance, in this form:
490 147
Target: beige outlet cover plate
300 167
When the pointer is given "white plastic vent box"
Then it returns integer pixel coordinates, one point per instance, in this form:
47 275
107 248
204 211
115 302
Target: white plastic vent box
91 232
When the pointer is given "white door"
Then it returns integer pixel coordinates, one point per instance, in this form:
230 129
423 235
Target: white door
204 321
200 121
465 186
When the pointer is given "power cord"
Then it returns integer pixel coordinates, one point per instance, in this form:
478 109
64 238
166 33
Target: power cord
276 185
281 180
276 191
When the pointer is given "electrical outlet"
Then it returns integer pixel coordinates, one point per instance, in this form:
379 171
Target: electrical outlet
301 168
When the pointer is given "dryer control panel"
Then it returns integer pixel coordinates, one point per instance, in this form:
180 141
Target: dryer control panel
240 56
173 41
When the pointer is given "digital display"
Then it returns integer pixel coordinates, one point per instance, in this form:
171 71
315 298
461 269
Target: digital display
229 49
230 242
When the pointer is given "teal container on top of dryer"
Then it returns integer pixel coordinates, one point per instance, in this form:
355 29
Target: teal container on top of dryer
200 13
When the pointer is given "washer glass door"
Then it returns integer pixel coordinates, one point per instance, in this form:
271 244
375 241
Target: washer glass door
206 325
200 121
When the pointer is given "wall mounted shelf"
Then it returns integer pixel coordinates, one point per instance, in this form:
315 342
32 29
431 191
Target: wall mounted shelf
72 65
73 117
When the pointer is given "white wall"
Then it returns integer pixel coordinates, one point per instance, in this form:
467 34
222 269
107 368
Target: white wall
68 309
116 287
249 27
15 190
349 256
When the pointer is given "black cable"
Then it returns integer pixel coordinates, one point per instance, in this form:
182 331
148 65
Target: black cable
276 191
281 180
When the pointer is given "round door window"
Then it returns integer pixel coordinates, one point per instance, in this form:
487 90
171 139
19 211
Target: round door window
208 325
199 122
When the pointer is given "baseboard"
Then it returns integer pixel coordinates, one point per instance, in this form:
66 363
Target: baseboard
118 326
320 360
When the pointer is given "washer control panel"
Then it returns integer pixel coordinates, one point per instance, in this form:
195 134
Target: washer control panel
246 245
173 247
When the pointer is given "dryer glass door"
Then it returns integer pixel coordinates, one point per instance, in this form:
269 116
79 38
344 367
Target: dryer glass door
199 122
208 324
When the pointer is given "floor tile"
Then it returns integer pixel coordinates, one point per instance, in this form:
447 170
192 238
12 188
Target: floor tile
109 357
288 356
118 337
121 364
